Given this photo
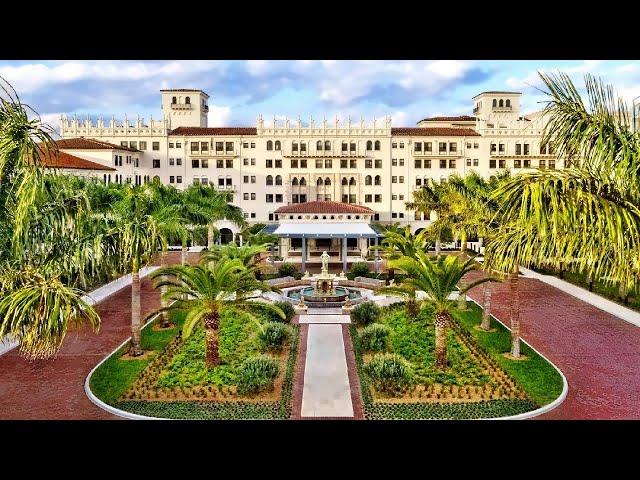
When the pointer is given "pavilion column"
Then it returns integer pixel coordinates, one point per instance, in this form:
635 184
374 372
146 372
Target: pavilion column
344 254
304 254
284 247
375 260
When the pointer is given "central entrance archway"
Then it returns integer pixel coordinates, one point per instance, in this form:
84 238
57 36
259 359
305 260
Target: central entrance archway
226 236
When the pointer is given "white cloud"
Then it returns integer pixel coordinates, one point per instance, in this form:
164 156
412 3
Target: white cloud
257 67
219 116
628 68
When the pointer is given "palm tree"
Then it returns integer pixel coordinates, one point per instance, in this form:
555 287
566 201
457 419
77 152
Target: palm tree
247 254
437 277
430 198
204 290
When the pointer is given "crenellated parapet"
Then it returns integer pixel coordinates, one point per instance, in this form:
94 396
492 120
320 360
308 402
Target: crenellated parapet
285 127
78 127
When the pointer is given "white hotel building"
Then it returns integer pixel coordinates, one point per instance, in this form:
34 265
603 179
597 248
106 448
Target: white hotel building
268 167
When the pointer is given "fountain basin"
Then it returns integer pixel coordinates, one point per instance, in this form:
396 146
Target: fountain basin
314 298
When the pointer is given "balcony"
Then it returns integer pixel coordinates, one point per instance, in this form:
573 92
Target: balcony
476 110
502 109
181 106
205 108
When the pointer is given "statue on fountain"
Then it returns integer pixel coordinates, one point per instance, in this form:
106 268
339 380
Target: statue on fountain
325 262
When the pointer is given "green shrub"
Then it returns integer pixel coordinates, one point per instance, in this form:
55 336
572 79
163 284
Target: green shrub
287 269
274 335
375 337
389 372
288 310
360 269
365 313
257 374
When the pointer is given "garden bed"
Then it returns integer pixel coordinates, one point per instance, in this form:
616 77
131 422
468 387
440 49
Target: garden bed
176 383
479 382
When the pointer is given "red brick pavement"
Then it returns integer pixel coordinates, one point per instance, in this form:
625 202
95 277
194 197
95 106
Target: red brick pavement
54 389
597 352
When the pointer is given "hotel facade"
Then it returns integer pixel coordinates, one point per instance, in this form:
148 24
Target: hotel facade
271 167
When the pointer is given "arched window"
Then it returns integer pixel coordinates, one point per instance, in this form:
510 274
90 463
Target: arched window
315 217
319 182
344 181
174 100
187 100
352 182
278 145
377 180
495 102
269 180
501 103
327 145
278 179
507 103
269 145
369 145
294 182
319 145
303 182
367 180
156 178
377 145
327 181
352 147
357 217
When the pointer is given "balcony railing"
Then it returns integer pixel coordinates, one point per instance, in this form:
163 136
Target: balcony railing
502 109
181 106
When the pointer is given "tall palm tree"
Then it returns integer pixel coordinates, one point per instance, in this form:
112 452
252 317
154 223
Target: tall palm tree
247 254
204 290
437 277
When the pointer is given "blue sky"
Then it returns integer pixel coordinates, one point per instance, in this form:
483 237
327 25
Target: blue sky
408 90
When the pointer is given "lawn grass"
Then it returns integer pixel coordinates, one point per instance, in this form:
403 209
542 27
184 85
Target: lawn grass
537 377
113 377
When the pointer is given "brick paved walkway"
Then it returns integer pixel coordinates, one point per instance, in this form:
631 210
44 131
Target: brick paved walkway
598 352
54 389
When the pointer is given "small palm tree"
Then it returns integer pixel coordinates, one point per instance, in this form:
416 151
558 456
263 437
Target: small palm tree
437 277
248 254
430 198
205 290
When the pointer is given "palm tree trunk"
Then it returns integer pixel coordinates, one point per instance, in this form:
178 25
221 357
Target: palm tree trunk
184 254
212 326
590 282
164 316
485 324
136 348
514 287
438 246
441 323
210 236
462 298
463 242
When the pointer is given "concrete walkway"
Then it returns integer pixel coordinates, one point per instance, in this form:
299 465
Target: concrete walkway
597 351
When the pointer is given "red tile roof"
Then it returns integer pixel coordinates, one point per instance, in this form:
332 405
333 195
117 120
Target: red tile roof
214 131
435 132
83 143
459 118
324 207
62 159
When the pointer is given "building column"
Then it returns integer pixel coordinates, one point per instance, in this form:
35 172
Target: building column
375 252
284 247
304 254
344 254
240 238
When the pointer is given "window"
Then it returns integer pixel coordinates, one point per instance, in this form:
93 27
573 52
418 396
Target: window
417 163
401 162
294 147
269 180
205 163
303 163
178 161
377 145
187 101
245 144
475 145
219 163
518 149
278 179
245 179
427 163
179 179
294 198
378 198
345 147
369 145
245 196
194 147
401 179
443 163
368 163
378 163
294 163
475 162
178 144
327 145
220 181
453 147
353 163
245 161
278 198
278 145
501 148
492 163
394 197
468 145
253 179
367 198
552 163
502 163
352 147
229 146
394 162
174 100
319 145
269 145
269 163
508 103
219 146
401 144
394 215
269 198
303 147
155 146
172 161
526 149
418 182
452 163
156 162
343 163
367 180
303 182
442 147
319 163
527 164
543 163
278 163
377 180
468 162
204 146
143 145
195 163
493 148
123 144
253 144
172 179
133 145
327 163
394 145
196 181
394 179
229 181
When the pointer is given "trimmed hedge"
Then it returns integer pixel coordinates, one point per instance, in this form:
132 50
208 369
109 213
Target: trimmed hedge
287 269
365 313
360 269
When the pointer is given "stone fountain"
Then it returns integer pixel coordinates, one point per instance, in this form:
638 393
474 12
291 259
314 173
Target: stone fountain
323 286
